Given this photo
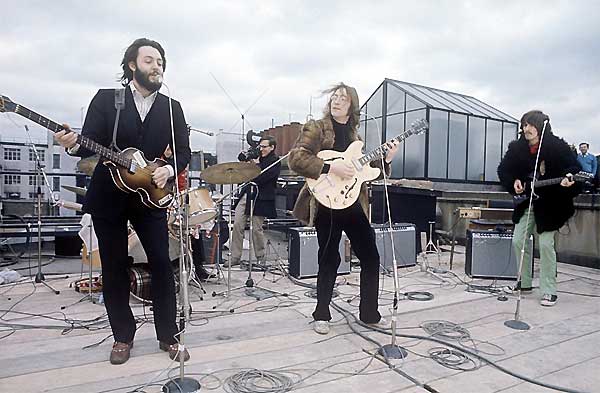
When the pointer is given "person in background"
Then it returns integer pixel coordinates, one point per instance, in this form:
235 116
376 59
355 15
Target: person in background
263 195
588 163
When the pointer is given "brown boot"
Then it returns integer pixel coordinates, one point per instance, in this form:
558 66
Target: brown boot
120 352
173 350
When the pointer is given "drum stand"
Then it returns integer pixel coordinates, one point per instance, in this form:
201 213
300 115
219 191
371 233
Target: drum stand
227 292
249 281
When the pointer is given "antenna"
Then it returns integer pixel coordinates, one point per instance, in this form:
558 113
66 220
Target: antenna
242 114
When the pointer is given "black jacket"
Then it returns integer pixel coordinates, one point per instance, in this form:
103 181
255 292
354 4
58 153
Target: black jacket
264 204
152 136
555 204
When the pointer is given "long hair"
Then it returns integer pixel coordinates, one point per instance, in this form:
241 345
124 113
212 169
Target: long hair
536 118
131 54
353 110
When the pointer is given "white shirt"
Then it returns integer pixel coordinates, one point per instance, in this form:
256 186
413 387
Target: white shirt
143 104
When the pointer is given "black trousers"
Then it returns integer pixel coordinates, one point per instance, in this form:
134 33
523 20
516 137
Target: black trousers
151 227
329 225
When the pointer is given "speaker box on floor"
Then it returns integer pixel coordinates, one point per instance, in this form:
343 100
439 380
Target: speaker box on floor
303 256
404 237
490 254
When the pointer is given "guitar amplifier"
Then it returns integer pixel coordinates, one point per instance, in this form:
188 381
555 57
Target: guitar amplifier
404 236
490 254
303 250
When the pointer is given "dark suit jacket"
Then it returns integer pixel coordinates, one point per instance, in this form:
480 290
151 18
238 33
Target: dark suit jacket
152 136
267 183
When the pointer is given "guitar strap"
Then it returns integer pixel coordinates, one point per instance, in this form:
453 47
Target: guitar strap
119 104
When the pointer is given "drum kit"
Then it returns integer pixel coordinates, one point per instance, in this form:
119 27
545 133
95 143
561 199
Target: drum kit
201 212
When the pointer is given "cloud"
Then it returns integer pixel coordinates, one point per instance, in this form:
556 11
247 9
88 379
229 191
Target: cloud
513 55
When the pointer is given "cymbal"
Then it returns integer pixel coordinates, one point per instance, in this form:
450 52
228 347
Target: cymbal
230 173
77 190
87 165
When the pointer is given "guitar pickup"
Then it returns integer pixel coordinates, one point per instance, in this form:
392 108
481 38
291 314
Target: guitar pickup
324 183
139 160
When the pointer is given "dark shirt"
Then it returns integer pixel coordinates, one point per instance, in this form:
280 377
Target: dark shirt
342 135
342 139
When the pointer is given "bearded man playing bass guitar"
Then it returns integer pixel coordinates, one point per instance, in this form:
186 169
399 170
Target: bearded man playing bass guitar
337 130
145 123
552 206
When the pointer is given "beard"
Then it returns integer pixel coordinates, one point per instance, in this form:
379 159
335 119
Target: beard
144 79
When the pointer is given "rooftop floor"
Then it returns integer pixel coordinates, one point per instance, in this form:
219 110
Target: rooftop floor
46 338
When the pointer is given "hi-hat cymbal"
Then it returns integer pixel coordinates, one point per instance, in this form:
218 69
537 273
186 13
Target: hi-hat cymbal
77 190
230 173
87 165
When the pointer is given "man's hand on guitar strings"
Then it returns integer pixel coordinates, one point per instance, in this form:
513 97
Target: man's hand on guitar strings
341 169
160 176
518 186
66 138
567 181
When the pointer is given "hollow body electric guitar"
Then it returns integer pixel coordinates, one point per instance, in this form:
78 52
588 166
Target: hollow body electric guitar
130 170
526 194
336 193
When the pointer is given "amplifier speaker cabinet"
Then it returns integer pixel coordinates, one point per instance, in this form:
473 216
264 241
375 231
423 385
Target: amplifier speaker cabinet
303 250
404 244
490 255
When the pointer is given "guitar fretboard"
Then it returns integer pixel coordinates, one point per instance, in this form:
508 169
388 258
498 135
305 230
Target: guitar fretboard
378 152
83 141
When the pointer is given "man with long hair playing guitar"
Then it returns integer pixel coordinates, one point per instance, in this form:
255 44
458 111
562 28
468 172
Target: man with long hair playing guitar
552 206
145 122
337 130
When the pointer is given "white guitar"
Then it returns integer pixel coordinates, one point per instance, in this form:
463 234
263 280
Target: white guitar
337 193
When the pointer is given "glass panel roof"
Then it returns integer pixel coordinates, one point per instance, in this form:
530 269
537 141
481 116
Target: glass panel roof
447 100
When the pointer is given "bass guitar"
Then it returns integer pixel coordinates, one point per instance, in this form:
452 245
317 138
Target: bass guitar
129 169
336 193
526 194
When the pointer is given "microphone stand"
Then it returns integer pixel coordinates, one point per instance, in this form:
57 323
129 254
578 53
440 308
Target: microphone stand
39 174
391 350
517 323
182 383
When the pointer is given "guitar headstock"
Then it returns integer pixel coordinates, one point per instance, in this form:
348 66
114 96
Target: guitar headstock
418 126
6 104
582 176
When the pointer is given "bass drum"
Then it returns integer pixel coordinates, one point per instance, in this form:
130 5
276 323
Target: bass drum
140 286
140 273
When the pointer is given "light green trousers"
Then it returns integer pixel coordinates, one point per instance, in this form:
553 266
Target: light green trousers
545 241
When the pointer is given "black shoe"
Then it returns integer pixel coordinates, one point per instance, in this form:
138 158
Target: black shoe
515 288
548 300
202 274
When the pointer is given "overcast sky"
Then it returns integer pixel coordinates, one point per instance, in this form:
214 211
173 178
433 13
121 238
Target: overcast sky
271 57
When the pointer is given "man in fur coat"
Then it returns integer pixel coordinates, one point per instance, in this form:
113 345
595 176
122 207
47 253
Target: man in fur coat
335 131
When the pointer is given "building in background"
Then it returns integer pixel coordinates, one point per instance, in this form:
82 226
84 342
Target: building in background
18 178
